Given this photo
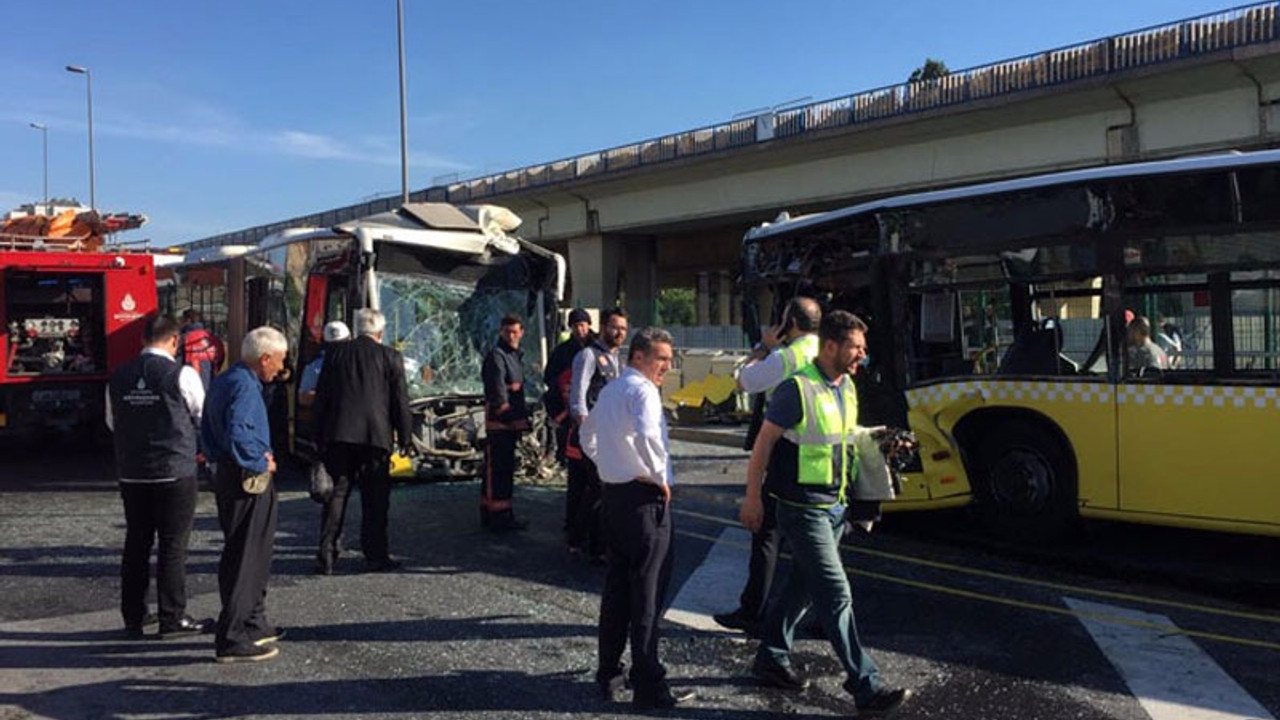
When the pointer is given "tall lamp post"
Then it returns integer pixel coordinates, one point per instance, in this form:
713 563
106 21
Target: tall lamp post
404 118
44 132
88 86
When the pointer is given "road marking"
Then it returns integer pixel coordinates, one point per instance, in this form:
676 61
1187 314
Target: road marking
1054 609
714 587
1022 580
1169 674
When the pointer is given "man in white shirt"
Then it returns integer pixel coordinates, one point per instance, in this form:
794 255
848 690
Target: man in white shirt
153 410
785 348
626 435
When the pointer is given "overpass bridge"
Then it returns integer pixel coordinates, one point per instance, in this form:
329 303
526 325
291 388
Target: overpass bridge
671 211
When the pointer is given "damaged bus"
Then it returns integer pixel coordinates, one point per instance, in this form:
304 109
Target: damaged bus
442 275
1101 342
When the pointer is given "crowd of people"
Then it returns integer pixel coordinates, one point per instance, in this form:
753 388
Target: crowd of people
611 434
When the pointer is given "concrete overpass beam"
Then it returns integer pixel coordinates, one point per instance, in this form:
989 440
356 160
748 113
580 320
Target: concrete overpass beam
607 270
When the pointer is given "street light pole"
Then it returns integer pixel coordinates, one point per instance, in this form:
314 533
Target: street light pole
88 86
404 117
44 132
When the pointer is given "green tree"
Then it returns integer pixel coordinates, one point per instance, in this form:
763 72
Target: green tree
676 306
931 70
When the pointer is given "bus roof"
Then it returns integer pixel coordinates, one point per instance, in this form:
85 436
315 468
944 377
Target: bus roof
1196 163
467 230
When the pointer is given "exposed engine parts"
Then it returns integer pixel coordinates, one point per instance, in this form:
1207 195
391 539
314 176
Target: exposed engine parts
49 345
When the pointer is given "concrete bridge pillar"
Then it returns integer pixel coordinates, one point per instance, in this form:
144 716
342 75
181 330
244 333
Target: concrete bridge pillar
608 270
724 298
702 300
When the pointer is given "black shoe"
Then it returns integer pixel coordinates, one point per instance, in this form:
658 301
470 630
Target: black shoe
134 631
739 620
612 688
252 653
779 676
508 523
185 627
274 636
384 565
323 567
884 702
663 698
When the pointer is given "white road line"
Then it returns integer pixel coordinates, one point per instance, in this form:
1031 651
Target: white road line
714 587
1169 674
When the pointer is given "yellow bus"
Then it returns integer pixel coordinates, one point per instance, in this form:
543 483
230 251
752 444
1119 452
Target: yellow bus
1101 342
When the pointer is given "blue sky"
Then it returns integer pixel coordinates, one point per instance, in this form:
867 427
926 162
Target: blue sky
214 116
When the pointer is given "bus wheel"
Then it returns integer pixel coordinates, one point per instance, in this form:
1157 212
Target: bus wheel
1025 486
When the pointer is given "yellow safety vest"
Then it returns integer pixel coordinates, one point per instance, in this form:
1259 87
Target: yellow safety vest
795 355
799 352
822 429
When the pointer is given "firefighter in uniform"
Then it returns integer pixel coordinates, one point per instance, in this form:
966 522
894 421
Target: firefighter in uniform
558 375
598 364
506 416
787 347
805 443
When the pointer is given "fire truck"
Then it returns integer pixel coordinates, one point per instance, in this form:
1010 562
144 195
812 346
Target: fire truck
72 311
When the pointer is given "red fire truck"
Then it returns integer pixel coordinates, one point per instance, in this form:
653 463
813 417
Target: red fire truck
71 313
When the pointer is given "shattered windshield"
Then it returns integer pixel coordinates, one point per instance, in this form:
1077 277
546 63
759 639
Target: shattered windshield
444 329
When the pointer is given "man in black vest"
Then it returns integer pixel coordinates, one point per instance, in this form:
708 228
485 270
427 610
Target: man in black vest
153 409
598 364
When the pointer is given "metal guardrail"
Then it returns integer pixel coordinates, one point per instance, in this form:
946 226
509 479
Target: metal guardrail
1233 28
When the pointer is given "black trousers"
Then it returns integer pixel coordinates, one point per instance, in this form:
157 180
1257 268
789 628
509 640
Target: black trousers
248 530
368 468
582 507
499 476
562 440
763 565
638 537
163 511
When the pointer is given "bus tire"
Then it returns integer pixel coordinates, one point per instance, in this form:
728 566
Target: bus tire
1025 484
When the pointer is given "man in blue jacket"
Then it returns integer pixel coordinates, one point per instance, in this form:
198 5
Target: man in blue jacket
236 435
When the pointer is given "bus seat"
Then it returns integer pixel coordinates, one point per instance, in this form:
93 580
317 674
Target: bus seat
1034 352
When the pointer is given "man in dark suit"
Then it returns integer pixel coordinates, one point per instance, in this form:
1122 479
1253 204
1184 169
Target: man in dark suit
362 407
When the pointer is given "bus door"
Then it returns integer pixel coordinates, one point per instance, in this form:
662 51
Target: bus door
1196 439
327 299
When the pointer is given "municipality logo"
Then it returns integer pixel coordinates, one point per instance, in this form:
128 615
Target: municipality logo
142 383
128 304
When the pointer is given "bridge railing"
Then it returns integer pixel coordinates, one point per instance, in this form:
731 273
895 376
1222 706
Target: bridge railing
1224 30
1216 32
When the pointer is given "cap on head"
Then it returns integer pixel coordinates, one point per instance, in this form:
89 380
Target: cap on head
336 331
578 315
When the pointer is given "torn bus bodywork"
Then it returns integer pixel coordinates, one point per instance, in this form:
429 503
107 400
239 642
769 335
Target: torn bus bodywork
443 276
843 266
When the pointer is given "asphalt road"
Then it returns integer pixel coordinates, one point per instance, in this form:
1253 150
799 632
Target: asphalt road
502 626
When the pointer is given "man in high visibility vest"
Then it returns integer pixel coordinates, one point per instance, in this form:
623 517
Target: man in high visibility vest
805 445
784 349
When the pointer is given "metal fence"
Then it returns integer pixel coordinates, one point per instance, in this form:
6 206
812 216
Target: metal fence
1237 27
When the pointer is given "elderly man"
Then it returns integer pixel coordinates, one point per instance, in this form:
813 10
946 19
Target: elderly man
362 405
626 435
237 438
805 446
153 409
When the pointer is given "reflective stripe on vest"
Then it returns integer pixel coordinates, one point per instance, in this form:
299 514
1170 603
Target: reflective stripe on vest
795 355
822 428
